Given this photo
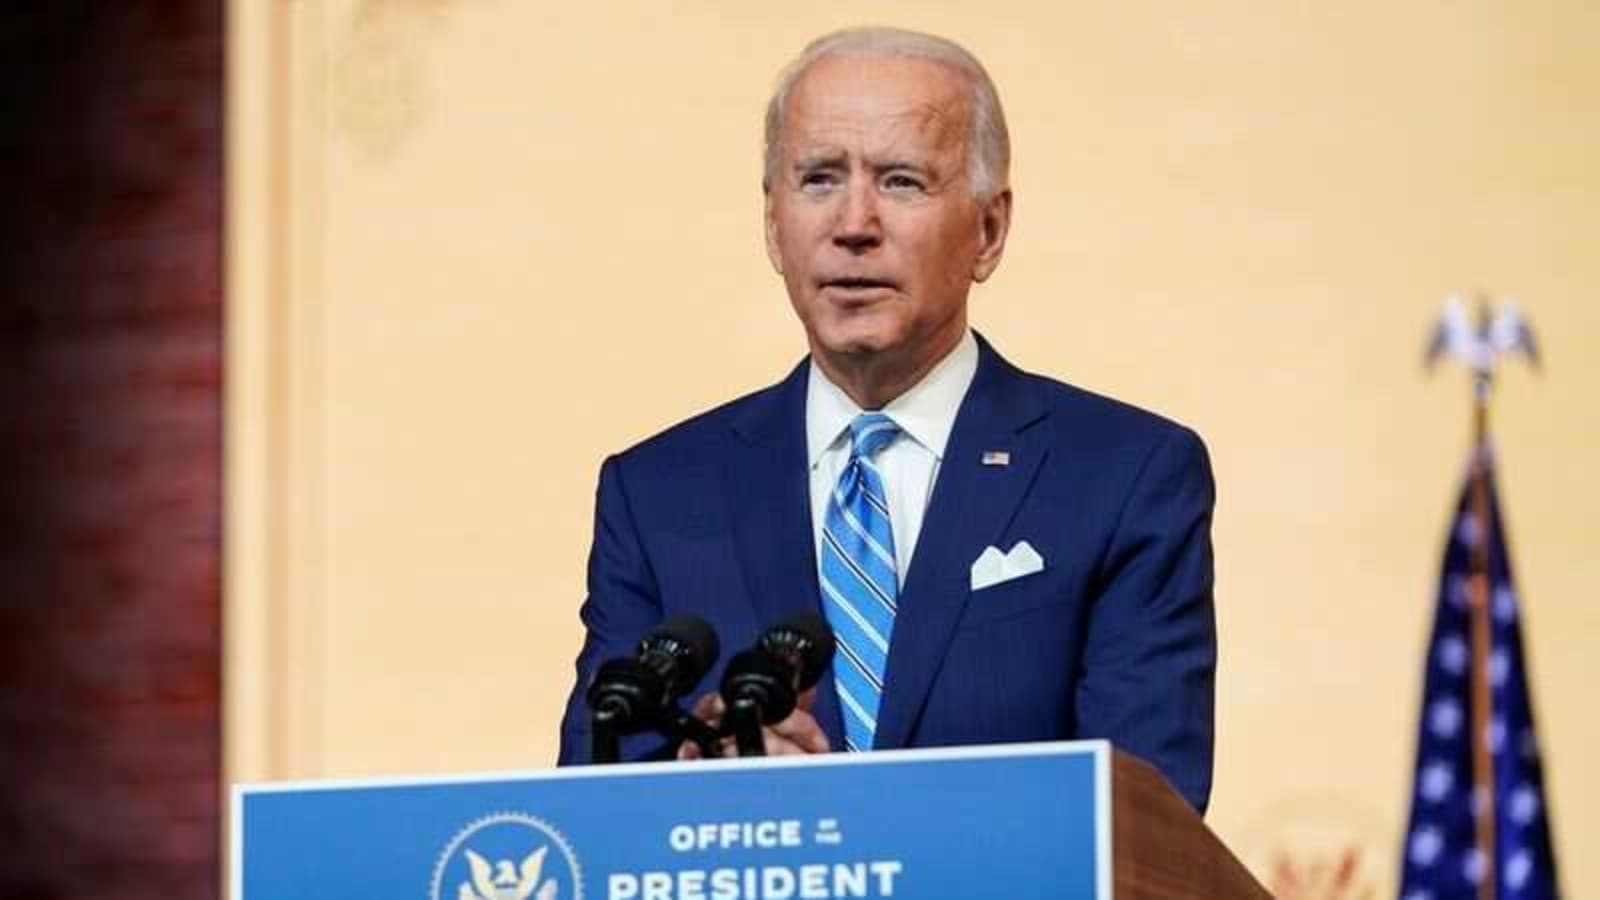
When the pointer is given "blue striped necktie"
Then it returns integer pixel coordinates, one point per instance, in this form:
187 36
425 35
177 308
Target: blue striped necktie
859 584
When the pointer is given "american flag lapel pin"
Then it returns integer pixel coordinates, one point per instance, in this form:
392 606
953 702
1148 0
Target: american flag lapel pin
996 458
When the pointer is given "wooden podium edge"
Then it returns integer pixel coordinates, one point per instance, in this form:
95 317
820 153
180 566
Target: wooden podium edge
1160 846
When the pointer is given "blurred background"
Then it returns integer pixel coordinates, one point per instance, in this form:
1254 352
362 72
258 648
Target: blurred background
111 374
470 247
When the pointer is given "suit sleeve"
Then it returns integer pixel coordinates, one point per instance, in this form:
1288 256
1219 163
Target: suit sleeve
1149 662
623 603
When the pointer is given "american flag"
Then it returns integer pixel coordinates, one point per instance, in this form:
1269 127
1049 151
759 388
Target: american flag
1441 858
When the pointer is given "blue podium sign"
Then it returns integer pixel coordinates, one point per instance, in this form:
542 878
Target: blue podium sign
1029 820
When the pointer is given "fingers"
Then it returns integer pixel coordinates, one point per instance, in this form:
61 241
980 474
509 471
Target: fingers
780 746
800 732
796 735
775 745
709 709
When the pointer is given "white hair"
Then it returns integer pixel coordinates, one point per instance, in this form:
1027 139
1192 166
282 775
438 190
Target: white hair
988 142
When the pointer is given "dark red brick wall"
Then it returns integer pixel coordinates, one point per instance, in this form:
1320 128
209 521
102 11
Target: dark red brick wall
110 417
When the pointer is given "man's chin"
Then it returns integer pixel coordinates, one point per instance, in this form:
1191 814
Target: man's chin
857 346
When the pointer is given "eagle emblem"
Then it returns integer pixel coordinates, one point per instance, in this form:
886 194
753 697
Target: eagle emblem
505 880
507 856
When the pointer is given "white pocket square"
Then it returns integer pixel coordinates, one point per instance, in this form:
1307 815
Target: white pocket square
993 567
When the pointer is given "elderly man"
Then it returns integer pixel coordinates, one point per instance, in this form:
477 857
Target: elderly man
1002 557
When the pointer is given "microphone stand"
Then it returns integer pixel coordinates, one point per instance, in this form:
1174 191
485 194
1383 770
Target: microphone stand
744 718
684 727
605 743
605 737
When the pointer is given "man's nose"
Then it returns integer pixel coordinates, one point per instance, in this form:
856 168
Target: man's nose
858 228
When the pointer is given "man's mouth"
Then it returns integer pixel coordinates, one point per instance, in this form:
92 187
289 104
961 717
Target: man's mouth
858 284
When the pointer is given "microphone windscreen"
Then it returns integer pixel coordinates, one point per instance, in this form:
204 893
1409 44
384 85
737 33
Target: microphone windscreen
697 647
808 639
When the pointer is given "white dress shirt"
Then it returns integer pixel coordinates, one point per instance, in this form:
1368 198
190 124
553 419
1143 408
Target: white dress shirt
910 464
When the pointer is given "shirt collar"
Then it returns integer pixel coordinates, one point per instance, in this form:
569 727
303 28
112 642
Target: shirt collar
926 412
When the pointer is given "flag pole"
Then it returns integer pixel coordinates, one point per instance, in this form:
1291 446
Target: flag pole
1483 795
1479 345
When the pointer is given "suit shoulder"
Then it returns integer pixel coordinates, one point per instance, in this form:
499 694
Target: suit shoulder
1083 416
1104 444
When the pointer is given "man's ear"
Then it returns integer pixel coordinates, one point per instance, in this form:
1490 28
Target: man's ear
770 228
993 225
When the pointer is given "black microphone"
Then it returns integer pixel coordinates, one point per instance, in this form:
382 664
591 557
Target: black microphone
762 685
634 693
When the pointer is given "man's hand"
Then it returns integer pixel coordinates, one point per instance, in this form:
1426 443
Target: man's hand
796 735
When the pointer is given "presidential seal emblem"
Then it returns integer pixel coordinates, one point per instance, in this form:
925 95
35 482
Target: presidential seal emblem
507 856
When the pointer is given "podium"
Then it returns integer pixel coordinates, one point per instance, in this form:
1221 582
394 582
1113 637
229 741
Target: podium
1058 820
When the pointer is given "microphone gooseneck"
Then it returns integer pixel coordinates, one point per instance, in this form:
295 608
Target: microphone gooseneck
635 693
762 685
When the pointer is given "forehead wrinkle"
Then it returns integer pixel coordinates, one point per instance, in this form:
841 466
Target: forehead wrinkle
919 133
938 117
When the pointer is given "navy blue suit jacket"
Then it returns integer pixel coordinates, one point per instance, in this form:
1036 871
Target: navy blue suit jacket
1115 638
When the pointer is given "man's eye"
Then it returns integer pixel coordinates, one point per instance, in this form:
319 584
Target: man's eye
903 183
817 180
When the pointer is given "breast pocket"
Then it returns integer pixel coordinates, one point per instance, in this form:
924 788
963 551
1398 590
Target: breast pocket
1014 598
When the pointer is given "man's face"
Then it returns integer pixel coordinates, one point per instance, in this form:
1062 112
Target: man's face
871 218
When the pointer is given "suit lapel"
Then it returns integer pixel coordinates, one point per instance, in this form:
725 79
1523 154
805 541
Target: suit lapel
769 492
971 506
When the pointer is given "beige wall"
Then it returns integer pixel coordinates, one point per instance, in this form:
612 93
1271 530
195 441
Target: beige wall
477 245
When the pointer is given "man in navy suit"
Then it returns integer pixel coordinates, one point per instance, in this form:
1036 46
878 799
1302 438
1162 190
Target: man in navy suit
1004 557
